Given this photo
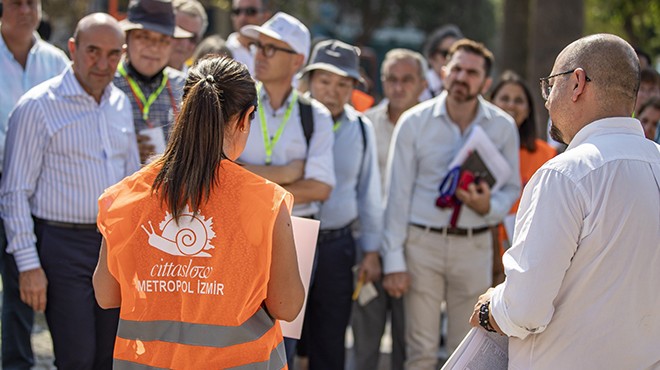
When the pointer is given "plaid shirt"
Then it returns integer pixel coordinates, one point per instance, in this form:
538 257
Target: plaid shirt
161 112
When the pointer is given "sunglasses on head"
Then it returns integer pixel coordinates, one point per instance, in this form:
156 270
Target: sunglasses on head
249 11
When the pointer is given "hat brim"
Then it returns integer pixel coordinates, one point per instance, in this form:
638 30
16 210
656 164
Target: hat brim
179 33
253 32
332 69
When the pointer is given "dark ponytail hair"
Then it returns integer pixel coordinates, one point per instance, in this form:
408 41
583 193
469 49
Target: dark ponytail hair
217 93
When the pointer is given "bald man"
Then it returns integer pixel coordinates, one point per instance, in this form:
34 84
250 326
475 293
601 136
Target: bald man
68 139
581 288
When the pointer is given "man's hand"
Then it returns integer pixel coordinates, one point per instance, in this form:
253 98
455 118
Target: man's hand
396 284
370 267
145 148
474 319
477 197
32 285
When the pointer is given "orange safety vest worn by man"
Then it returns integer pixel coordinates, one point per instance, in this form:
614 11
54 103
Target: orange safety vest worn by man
192 293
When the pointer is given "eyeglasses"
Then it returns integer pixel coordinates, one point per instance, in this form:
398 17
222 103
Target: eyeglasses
546 88
249 11
268 50
442 52
144 38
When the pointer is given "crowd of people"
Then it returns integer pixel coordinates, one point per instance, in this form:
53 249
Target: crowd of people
148 184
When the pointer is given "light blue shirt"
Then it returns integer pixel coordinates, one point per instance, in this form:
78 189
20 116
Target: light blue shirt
63 151
292 144
425 142
44 61
357 193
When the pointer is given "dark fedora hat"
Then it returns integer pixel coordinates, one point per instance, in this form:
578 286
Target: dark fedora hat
336 57
153 15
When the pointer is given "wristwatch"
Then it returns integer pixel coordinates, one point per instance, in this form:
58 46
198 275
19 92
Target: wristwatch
484 317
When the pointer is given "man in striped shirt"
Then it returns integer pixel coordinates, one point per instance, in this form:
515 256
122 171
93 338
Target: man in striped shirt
69 138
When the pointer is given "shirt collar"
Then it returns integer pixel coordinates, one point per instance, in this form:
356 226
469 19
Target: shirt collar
70 86
440 108
607 126
264 98
36 42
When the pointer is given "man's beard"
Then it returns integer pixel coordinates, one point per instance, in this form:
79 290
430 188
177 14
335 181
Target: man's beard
556 135
463 98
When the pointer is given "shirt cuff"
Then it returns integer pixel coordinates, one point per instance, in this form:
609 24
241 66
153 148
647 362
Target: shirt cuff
27 259
394 261
369 242
498 309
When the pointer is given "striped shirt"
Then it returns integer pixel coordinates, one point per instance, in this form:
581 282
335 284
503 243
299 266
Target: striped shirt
44 61
63 150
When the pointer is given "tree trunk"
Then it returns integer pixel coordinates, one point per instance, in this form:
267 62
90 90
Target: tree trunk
555 24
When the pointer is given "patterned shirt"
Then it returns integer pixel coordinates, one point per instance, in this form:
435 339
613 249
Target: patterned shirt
168 103
63 150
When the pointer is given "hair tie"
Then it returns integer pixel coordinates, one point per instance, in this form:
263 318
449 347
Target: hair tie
210 79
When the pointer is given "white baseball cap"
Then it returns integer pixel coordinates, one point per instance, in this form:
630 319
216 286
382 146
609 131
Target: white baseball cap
285 28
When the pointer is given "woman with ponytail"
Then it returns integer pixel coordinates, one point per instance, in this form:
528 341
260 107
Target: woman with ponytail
198 252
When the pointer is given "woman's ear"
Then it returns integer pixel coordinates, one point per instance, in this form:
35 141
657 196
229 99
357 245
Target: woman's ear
244 123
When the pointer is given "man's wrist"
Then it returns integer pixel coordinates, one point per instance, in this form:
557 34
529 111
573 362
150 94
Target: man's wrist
484 317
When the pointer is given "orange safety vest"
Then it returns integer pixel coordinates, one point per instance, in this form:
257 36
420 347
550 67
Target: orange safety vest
192 294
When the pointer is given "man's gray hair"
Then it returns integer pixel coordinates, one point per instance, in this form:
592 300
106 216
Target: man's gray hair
193 8
399 54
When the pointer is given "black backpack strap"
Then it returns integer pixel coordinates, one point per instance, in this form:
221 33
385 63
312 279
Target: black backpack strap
306 117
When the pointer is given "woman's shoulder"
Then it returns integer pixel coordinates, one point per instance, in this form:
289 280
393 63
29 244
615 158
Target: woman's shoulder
545 149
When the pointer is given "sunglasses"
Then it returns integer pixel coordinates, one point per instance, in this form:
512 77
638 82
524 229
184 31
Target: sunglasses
249 11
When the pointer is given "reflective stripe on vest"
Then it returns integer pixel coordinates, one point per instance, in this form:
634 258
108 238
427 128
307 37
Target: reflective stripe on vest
197 334
276 361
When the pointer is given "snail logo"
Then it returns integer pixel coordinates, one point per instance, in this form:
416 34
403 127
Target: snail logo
191 237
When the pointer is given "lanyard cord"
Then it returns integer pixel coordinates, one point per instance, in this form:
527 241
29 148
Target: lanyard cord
144 104
269 142
337 125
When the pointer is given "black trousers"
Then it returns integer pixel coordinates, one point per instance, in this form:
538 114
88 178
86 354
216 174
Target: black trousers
17 317
329 305
83 333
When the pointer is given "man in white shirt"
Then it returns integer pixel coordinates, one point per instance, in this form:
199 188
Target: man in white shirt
279 146
244 13
25 61
428 258
581 288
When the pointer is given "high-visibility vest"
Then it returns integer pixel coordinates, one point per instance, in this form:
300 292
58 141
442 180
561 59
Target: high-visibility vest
192 293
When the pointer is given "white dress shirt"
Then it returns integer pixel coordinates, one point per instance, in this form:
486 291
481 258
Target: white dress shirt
44 61
63 151
582 277
319 164
424 143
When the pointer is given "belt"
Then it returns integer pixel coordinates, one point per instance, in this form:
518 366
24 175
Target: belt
333 234
453 230
65 225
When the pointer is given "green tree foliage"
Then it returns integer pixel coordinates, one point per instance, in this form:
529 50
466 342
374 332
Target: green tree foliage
637 21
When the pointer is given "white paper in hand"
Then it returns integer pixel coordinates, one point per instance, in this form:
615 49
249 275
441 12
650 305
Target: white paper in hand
156 138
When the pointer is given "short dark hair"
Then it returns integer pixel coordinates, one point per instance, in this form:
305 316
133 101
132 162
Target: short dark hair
652 102
474 47
527 129
438 36
218 91
649 75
